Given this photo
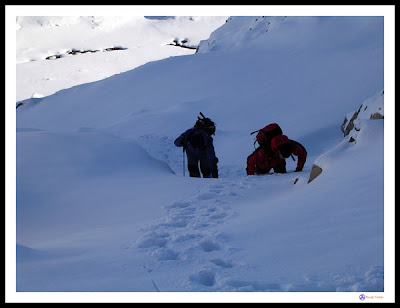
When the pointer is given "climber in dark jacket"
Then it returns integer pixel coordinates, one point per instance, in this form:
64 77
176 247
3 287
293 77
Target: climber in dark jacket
198 144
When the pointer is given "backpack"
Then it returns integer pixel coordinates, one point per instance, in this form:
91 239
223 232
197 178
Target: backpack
205 124
265 135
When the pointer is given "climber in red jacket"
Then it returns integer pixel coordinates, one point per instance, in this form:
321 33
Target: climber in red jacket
263 159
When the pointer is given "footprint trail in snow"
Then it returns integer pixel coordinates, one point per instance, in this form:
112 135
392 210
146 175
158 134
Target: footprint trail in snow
188 236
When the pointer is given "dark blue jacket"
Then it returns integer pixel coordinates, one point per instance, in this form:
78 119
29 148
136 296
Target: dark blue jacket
199 149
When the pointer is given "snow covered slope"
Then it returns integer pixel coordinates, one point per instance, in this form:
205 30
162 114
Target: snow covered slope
102 203
59 52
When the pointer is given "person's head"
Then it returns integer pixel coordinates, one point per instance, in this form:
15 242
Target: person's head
281 145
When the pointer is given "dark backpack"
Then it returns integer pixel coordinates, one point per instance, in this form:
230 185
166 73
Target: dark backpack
205 124
265 135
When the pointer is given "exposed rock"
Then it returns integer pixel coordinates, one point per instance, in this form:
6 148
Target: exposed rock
371 108
348 125
182 43
376 116
315 172
74 52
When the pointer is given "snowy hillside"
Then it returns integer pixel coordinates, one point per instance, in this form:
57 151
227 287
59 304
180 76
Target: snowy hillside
102 204
54 53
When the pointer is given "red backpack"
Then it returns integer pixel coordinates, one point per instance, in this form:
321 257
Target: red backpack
266 134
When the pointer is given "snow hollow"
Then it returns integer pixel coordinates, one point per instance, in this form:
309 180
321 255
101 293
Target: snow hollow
102 204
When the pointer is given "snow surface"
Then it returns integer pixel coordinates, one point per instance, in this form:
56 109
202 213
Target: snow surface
102 204
145 39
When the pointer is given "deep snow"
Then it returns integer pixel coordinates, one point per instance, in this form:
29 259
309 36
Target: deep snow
102 204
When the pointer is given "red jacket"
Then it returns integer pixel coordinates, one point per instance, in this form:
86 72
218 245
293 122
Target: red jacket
267 159
301 154
261 159
285 147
